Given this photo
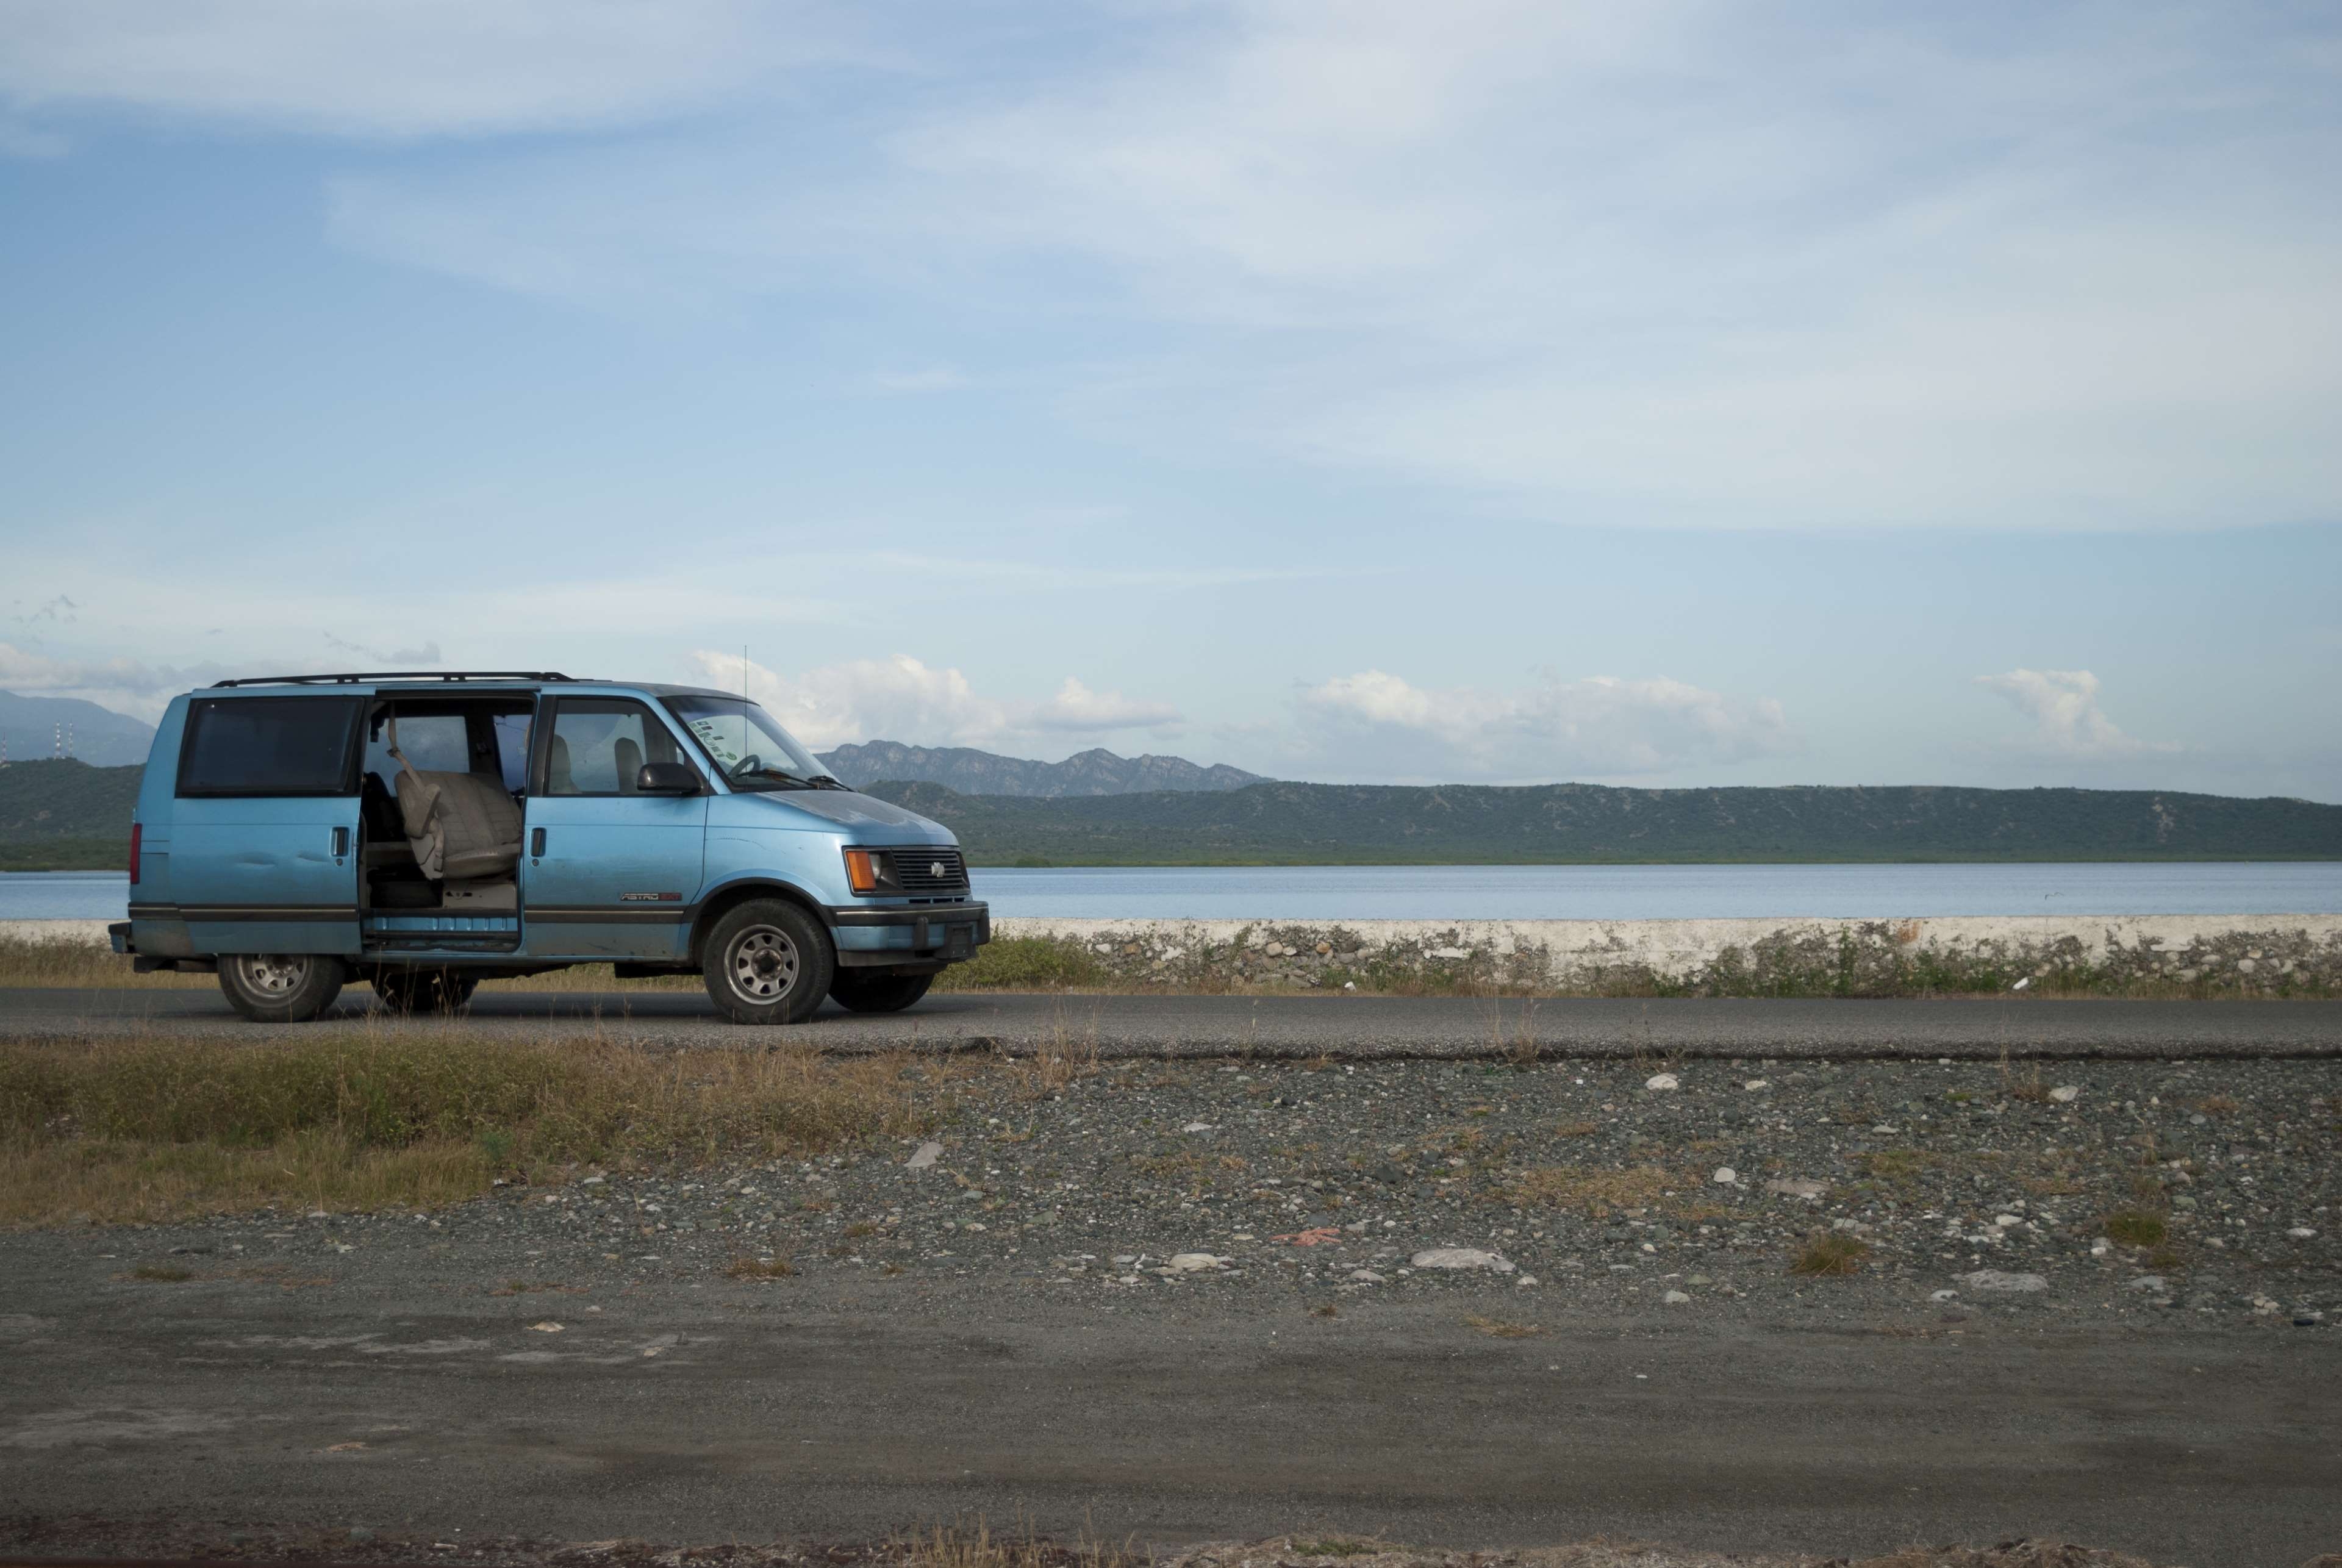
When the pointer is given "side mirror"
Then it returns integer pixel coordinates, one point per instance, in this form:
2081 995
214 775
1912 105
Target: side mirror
667 778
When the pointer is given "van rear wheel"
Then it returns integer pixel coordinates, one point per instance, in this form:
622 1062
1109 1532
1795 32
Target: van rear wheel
767 962
409 991
877 993
280 987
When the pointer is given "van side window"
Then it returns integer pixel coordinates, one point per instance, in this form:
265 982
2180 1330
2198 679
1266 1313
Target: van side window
436 743
599 745
512 750
270 746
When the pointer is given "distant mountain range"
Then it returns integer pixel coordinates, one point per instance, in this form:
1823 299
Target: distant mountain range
969 771
67 815
1364 824
31 728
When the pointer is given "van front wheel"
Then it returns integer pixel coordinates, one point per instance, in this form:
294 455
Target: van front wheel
768 962
280 987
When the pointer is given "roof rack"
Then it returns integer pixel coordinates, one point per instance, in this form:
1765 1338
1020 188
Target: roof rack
450 676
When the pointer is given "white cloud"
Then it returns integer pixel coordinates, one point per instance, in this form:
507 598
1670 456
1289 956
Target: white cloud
1669 263
2066 719
396 68
125 686
1076 707
1377 725
395 659
901 698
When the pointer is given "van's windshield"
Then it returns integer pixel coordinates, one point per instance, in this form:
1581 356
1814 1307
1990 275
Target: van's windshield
752 751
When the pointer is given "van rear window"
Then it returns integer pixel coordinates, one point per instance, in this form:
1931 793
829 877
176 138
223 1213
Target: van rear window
269 746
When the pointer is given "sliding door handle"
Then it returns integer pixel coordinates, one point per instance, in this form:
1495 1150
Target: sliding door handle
535 842
341 842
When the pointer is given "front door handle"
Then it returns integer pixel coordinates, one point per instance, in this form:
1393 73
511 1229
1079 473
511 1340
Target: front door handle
341 842
535 842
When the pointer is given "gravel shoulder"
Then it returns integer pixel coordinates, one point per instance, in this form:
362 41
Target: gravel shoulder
1193 1300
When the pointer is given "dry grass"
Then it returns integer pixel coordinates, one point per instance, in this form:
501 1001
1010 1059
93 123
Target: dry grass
1830 1254
758 1269
149 1129
1593 1190
961 1547
2135 1228
82 965
1067 1053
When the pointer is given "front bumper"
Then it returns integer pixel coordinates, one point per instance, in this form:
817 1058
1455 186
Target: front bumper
917 932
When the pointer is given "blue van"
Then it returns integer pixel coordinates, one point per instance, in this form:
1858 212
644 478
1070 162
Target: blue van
423 832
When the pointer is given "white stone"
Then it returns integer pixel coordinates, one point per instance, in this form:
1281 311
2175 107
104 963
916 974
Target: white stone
1661 1081
2022 984
2101 1247
1194 1263
1365 1276
1755 1083
2013 1285
2066 1094
1197 1127
2147 1283
1726 1175
2301 1233
1526 1280
1674 1298
1460 1258
927 1154
1942 1295
2006 1222
1450 952
1798 1188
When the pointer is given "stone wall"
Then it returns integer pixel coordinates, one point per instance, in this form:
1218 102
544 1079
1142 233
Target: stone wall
2271 955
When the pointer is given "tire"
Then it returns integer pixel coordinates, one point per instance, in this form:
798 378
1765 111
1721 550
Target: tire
877 993
410 990
280 987
767 962
859 993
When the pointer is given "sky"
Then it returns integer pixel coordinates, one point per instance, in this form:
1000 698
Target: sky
1680 393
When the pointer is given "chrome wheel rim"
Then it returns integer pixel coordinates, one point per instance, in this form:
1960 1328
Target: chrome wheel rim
273 975
763 964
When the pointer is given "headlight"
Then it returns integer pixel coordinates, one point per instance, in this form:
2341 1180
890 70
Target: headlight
871 871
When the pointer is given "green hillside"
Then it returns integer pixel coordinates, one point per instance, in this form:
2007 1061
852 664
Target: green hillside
1299 825
66 815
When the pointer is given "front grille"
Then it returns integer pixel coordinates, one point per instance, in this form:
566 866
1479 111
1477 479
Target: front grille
916 870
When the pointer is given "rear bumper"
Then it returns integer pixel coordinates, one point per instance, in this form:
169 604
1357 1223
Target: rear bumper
910 933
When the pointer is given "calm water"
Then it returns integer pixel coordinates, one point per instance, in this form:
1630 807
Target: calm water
1535 892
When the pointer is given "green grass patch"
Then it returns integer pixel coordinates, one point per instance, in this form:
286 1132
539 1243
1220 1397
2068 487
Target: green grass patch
155 1129
1027 963
2135 1228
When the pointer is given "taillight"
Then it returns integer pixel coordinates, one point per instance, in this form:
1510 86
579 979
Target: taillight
137 833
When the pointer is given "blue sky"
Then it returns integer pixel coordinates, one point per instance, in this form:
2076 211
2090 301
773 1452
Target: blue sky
1675 394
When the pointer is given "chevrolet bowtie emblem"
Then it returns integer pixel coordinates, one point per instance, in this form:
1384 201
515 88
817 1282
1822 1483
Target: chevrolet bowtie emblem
935 869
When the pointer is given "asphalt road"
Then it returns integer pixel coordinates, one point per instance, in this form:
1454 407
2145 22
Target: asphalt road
817 1409
1350 1026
